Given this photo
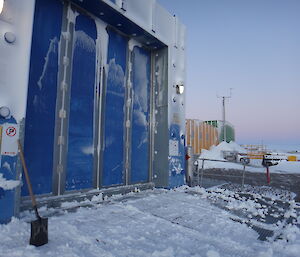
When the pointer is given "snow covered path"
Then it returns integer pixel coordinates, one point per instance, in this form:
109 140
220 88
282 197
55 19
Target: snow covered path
150 223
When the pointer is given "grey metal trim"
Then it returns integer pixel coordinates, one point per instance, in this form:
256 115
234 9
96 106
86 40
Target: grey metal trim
126 144
19 170
152 119
97 115
128 117
55 201
97 124
161 131
101 143
62 104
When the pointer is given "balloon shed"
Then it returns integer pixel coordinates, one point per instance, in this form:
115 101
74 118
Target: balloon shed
94 92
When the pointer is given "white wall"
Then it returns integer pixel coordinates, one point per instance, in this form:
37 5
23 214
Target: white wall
17 17
149 15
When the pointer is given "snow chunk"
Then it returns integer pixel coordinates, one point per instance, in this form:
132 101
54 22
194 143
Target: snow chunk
84 41
212 253
88 150
8 184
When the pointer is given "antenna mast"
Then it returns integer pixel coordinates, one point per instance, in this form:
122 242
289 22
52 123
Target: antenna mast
224 113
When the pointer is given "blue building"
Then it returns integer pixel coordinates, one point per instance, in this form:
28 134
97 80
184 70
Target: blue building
94 89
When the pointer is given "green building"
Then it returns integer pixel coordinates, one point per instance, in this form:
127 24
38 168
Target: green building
229 128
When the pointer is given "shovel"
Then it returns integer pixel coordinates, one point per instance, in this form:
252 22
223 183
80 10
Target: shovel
39 227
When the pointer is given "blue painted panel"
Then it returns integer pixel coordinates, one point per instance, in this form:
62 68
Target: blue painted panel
80 139
7 197
7 204
113 164
8 167
42 91
140 115
177 162
7 171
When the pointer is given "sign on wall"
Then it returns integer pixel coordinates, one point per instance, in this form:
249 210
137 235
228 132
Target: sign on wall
9 135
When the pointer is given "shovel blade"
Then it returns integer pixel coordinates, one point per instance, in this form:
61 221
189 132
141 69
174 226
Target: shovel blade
39 232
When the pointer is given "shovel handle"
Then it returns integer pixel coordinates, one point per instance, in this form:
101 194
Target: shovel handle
27 176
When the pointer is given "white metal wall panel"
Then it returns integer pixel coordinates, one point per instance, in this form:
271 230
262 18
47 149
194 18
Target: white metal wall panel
17 18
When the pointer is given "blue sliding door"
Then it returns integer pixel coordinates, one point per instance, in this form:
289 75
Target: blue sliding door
82 123
113 155
141 68
80 156
42 91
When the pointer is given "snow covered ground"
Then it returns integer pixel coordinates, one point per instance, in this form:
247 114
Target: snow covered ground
181 222
215 153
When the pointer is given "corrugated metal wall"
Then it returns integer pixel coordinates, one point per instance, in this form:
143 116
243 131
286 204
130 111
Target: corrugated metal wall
200 135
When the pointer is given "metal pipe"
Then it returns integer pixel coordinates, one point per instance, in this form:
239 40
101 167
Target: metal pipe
202 171
224 126
189 165
243 180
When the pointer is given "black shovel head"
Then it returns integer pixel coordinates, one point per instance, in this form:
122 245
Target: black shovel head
39 232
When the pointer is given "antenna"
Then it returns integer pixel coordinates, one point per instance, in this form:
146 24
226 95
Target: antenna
223 112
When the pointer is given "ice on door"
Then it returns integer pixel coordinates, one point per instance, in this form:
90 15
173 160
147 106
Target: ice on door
42 91
113 155
80 157
141 60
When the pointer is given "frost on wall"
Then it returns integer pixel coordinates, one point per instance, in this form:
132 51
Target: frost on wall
84 41
175 167
141 94
116 78
42 93
140 115
39 100
113 152
52 50
80 157
8 184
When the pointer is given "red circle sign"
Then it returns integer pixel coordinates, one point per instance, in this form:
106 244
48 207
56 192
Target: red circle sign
11 131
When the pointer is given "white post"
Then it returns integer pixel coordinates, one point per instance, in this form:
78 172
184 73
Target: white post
224 120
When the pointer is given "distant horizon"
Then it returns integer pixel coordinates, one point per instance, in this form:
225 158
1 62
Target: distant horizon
256 140
275 146
252 47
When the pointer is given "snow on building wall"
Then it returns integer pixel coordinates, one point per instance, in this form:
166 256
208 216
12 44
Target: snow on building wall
95 90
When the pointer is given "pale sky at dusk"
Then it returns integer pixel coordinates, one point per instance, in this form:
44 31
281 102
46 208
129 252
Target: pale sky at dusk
252 46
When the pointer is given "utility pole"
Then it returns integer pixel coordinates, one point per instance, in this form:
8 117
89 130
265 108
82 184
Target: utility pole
224 112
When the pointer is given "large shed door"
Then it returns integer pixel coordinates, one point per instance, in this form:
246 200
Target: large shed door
113 145
42 91
78 129
80 153
141 68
